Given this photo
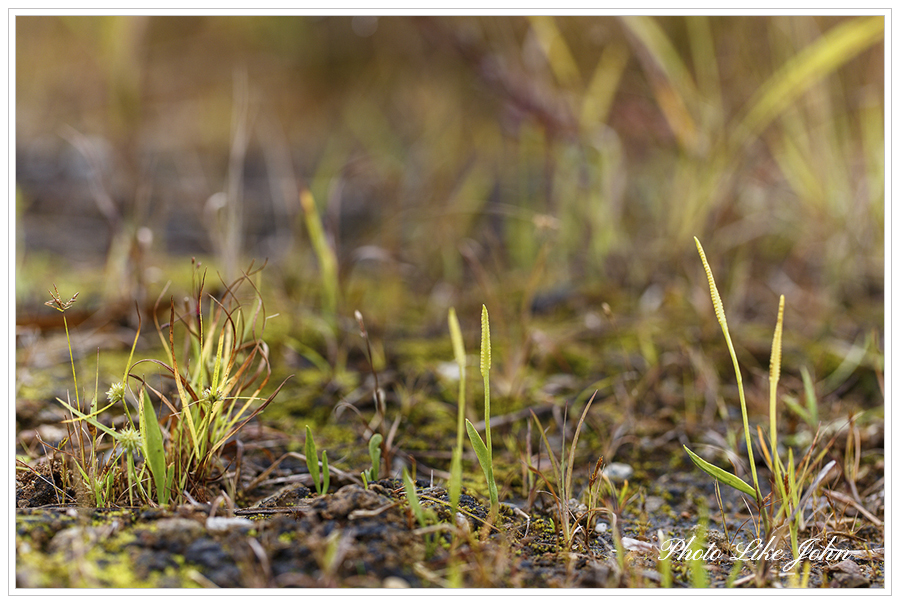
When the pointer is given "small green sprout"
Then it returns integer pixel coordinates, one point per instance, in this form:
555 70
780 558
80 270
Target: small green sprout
371 475
312 463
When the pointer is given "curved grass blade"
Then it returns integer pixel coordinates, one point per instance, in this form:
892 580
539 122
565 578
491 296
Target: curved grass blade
154 451
459 353
720 474
484 458
837 46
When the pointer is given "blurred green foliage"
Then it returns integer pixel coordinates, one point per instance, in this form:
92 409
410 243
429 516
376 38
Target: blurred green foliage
561 150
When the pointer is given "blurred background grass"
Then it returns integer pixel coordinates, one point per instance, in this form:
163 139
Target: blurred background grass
526 162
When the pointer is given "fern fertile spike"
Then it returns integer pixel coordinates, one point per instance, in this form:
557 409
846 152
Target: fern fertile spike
713 290
485 341
775 363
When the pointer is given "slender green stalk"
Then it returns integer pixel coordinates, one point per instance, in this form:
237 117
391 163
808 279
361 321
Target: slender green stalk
720 315
485 373
312 460
57 303
483 449
774 375
459 353
325 255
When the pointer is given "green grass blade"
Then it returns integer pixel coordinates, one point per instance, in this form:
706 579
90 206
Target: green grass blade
567 488
720 474
154 452
455 489
556 50
324 254
186 414
672 83
481 451
812 407
89 418
797 410
326 476
459 350
459 353
412 498
312 460
484 458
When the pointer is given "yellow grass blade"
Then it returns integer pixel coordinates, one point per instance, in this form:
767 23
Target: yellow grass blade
815 62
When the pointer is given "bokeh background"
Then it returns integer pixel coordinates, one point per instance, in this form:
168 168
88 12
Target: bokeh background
534 163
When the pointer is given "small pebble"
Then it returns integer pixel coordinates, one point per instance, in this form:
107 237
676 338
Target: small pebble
218 524
653 503
618 472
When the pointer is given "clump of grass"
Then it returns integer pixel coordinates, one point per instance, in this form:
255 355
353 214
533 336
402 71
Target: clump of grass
562 478
99 476
228 360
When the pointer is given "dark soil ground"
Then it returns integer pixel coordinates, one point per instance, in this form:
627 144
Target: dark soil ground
272 531
555 170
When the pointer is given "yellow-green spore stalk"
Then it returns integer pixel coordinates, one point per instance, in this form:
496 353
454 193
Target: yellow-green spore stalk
720 315
483 449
